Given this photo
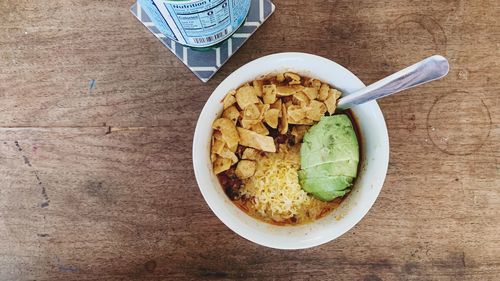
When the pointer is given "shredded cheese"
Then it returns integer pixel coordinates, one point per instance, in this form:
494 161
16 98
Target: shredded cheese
275 190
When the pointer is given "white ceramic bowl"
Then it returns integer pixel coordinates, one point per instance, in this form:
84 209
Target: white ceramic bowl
375 147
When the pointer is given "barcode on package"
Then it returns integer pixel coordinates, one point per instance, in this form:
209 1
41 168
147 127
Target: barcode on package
202 40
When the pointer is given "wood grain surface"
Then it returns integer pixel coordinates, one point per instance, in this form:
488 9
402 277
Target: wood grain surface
96 126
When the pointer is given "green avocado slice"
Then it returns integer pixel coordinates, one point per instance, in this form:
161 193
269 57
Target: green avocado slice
329 196
327 188
329 158
332 139
338 168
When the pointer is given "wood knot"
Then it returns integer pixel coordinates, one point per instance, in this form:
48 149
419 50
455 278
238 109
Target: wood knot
150 266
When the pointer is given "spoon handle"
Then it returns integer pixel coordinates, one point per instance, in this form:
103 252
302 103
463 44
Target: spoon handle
427 70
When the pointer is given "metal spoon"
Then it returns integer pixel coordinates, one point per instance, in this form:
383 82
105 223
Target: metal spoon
427 70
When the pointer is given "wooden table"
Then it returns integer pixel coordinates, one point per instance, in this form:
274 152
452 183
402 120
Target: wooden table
96 181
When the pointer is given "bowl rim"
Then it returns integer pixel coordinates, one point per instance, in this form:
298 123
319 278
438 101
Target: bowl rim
198 145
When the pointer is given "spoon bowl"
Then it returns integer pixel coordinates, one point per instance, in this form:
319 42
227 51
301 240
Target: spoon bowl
427 70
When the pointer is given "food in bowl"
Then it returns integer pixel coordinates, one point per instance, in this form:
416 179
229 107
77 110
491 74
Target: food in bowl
281 153
374 157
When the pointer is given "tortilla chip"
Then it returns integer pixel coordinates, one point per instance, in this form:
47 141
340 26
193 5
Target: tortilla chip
250 153
284 91
263 108
255 140
276 104
323 92
301 98
280 77
251 112
245 169
228 132
221 165
316 110
295 113
311 92
331 103
229 99
269 95
294 78
323 109
271 117
228 154
283 125
248 123
246 96
336 93
213 157
257 86
316 84
260 128
217 145
231 113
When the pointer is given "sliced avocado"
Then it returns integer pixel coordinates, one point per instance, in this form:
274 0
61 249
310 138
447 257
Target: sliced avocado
329 157
338 168
332 139
333 183
327 188
329 196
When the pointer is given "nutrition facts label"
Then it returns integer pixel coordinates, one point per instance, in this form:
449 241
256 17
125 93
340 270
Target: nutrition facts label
203 22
